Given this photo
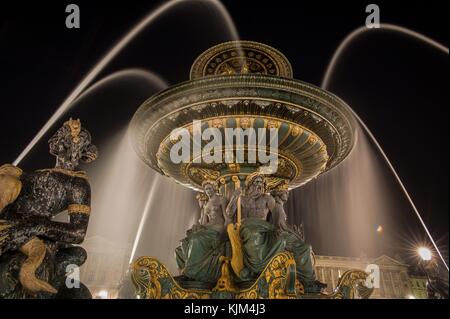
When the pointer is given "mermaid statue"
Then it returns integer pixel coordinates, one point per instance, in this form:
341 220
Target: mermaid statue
35 250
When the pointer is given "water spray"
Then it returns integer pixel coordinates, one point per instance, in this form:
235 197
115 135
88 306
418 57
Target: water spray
116 49
326 81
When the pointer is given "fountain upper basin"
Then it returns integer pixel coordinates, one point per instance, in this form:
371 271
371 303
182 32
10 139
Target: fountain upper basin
316 129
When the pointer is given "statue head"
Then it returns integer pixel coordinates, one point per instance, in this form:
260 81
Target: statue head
72 144
209 187
280 195
281 192
255 184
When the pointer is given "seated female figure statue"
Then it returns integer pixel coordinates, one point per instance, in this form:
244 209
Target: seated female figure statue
199 253
262 239
29 239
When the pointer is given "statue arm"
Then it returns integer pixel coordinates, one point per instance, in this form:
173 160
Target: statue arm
202 199
203 217
278 213
232 206
71 233
224 207
79 208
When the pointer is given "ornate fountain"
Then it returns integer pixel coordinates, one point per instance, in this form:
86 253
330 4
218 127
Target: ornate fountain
243 85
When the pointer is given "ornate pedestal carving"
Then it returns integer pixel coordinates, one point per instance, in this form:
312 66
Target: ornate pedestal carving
277 281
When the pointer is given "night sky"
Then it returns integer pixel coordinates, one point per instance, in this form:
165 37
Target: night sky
397 85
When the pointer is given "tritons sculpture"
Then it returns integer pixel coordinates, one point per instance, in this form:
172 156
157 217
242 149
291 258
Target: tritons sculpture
35 251
243 133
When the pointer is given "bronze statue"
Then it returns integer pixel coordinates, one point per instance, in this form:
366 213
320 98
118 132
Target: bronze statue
198 256
30 240
264 232
213 207
255 203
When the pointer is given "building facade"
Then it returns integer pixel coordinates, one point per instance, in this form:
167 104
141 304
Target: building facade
105 267
393 280
419 287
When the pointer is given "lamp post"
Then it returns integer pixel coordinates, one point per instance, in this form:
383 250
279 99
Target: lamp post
437 287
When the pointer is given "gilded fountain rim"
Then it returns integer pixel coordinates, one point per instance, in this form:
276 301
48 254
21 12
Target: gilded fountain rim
213 89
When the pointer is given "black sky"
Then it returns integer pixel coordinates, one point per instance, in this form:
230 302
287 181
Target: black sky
398 86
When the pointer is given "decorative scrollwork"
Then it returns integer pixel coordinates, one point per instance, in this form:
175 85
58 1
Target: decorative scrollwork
351 284
277 281
153 281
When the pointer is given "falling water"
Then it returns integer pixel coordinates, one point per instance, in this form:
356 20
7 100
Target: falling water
349 39
116 49
327 78
147 214
133 208
129 198
342 209
135 212
120 181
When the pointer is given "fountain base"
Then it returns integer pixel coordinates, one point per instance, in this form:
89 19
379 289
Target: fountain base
277 281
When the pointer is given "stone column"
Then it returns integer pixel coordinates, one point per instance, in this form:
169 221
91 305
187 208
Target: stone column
393 283
332 278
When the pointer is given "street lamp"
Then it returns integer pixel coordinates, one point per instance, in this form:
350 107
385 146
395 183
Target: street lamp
437 287
102 294
424 253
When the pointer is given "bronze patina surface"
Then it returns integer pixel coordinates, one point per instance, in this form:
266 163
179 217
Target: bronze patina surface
316 130
242 246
